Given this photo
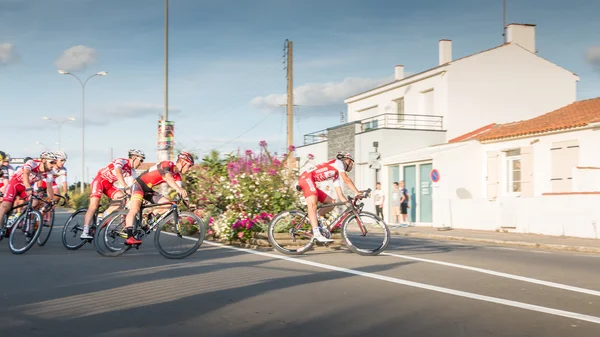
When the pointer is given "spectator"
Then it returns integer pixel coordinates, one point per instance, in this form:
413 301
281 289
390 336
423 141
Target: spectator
404 204
396 204
379 199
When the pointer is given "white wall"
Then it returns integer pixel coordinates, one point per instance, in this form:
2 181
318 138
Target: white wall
589 155
503 85
410 89
318 150
391 142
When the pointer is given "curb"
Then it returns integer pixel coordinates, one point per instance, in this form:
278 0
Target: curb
534 245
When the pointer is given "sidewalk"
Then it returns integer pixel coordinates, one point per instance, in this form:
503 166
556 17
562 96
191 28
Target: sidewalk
533 241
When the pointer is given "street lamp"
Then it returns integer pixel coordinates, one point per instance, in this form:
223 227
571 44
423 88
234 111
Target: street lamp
102 73
59 124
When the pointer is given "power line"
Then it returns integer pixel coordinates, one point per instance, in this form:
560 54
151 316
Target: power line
245 132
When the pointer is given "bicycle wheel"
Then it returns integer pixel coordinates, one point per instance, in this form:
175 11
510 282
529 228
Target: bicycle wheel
366 234
109 236
48 224
290 233
25 232
186 236
73 229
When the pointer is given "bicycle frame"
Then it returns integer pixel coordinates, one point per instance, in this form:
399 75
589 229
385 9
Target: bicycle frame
157 220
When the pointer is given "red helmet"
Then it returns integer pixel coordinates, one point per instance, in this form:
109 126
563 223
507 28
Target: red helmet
187 157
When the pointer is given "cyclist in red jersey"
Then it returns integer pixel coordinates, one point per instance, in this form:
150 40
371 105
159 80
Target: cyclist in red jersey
4 174
104 183
21 183
163 172
335 170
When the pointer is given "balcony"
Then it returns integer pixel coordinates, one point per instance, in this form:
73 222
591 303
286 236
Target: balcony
402 121
315 137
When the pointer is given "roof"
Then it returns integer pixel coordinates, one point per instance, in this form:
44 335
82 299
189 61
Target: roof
575 115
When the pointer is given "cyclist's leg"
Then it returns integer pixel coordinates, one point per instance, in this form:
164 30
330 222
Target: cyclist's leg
137 195
12 191
312 195
95 195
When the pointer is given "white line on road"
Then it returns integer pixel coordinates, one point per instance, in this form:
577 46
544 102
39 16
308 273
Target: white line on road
484 298
497 273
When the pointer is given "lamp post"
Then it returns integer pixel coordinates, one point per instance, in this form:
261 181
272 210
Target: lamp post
83 83
59 124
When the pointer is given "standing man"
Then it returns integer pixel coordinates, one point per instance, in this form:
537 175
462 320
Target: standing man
396 203
379 199
404 204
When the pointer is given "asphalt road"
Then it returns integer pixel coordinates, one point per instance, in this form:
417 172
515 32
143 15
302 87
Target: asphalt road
417 288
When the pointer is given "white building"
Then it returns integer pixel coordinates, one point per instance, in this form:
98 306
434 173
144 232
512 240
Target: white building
505 83
540 175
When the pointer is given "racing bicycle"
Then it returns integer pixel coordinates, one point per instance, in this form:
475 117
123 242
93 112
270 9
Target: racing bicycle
364 233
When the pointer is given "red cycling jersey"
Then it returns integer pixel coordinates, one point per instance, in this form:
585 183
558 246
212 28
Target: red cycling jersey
35 174
155 175
329 170
107 173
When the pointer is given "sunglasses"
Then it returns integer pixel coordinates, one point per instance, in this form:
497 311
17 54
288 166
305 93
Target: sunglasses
52 162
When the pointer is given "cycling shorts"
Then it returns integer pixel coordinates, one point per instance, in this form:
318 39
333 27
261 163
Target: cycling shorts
14 190
141 191
101 185
309 187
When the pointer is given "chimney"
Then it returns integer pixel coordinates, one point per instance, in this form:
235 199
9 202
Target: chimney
399 72
445 47
521 34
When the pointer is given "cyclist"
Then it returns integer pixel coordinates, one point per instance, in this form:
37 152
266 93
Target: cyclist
59 172
21 183
333 169
104 182
4 174
163 172
6 162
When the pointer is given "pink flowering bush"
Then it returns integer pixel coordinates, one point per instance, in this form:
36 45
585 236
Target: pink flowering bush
242 201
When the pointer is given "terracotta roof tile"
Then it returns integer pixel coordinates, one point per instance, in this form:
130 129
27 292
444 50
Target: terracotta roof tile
574 115
473 134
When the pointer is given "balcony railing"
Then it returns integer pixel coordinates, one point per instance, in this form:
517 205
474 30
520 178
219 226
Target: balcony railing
403 121
315 137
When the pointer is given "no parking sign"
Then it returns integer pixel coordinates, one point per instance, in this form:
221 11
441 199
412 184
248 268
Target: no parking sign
434 175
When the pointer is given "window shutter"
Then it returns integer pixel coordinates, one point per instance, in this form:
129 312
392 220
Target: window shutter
493 158
527 186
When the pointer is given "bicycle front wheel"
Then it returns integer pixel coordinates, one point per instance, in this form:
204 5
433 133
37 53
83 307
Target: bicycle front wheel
48 224
73 229
365 234
25 232
290 233
110 235
179 240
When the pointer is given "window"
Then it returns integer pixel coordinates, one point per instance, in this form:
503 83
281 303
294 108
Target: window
513 171
400 109
565 156
428 108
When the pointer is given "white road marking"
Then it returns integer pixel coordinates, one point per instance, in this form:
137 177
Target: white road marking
484 298
497 273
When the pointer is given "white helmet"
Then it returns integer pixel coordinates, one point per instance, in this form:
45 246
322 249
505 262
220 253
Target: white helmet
134 152
60 155
48 155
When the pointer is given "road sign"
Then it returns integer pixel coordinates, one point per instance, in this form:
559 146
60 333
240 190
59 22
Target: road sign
435 175
374 158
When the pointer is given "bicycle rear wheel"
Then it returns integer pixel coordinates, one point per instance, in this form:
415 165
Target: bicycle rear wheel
25 232
48 224
365 234
73 229
290 233
109 237
185 237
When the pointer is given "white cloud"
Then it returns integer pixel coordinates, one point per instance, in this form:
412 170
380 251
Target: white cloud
593 55
8 54
76 58
316 94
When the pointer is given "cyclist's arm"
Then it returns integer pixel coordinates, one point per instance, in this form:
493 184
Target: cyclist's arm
349 182
120 178
340 194
171 182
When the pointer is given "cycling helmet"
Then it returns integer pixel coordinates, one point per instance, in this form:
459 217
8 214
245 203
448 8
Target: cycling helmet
48 155
343 155
187 157
60 155
134 152
3 156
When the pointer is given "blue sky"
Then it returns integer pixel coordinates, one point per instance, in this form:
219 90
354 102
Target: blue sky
225 64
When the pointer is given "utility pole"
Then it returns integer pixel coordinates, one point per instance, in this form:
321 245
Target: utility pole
290 101
504 22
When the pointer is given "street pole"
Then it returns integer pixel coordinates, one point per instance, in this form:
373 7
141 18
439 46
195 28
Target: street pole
59 124
102 73
290 103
